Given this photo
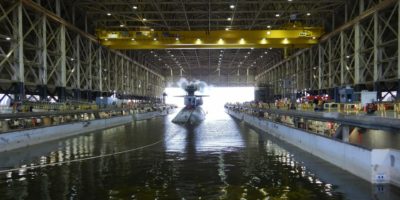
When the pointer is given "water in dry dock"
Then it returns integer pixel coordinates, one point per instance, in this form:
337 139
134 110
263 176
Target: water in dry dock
155 159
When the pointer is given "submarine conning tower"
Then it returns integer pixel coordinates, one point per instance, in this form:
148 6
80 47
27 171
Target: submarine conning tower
190 89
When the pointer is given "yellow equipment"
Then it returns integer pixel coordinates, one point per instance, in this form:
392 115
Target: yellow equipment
292 37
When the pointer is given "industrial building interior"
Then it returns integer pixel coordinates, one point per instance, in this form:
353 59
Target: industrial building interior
206 99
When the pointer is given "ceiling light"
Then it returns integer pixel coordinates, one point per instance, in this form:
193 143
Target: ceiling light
277 15
268 32
229 19
121 25
270 48
308 14
104 39
152 29
314 38
248 52
177 39
252 48
8 38
289 0
144 19
269 26
232 6
134 7
227 29
155 39
265 52
151 51
133 39
108 14
261 56
347 56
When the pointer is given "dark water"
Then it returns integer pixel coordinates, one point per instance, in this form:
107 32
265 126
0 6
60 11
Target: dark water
219 159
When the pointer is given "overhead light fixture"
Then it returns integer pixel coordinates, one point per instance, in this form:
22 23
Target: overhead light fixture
144 19
106 39
133 39
155 39
314 38
232 6
8 38
289 0
121 25
227 29
252 48
265 52
134 7
152 29
277 15
308 14
229 19
269 26
177 39
108 14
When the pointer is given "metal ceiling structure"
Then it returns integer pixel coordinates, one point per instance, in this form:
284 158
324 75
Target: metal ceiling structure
209 15
49 47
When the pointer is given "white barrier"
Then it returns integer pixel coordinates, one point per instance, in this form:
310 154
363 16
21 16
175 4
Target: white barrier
375 166
23 138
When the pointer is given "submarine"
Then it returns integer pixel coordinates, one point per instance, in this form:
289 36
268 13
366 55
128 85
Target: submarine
192 113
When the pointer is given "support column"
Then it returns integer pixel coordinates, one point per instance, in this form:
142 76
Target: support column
18 42
76 90
398 53
357 56
377 58
62 71
100 68
330 65
342 59
357 46
320 63
42 87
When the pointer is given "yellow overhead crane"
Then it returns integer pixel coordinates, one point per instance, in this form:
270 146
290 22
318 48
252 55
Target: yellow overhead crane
300 37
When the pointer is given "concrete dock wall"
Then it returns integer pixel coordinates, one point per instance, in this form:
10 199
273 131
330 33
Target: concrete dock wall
375 166
23 138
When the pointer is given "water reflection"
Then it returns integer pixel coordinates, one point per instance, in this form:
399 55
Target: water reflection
220 159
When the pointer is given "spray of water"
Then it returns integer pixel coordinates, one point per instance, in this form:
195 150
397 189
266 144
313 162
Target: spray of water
202 85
